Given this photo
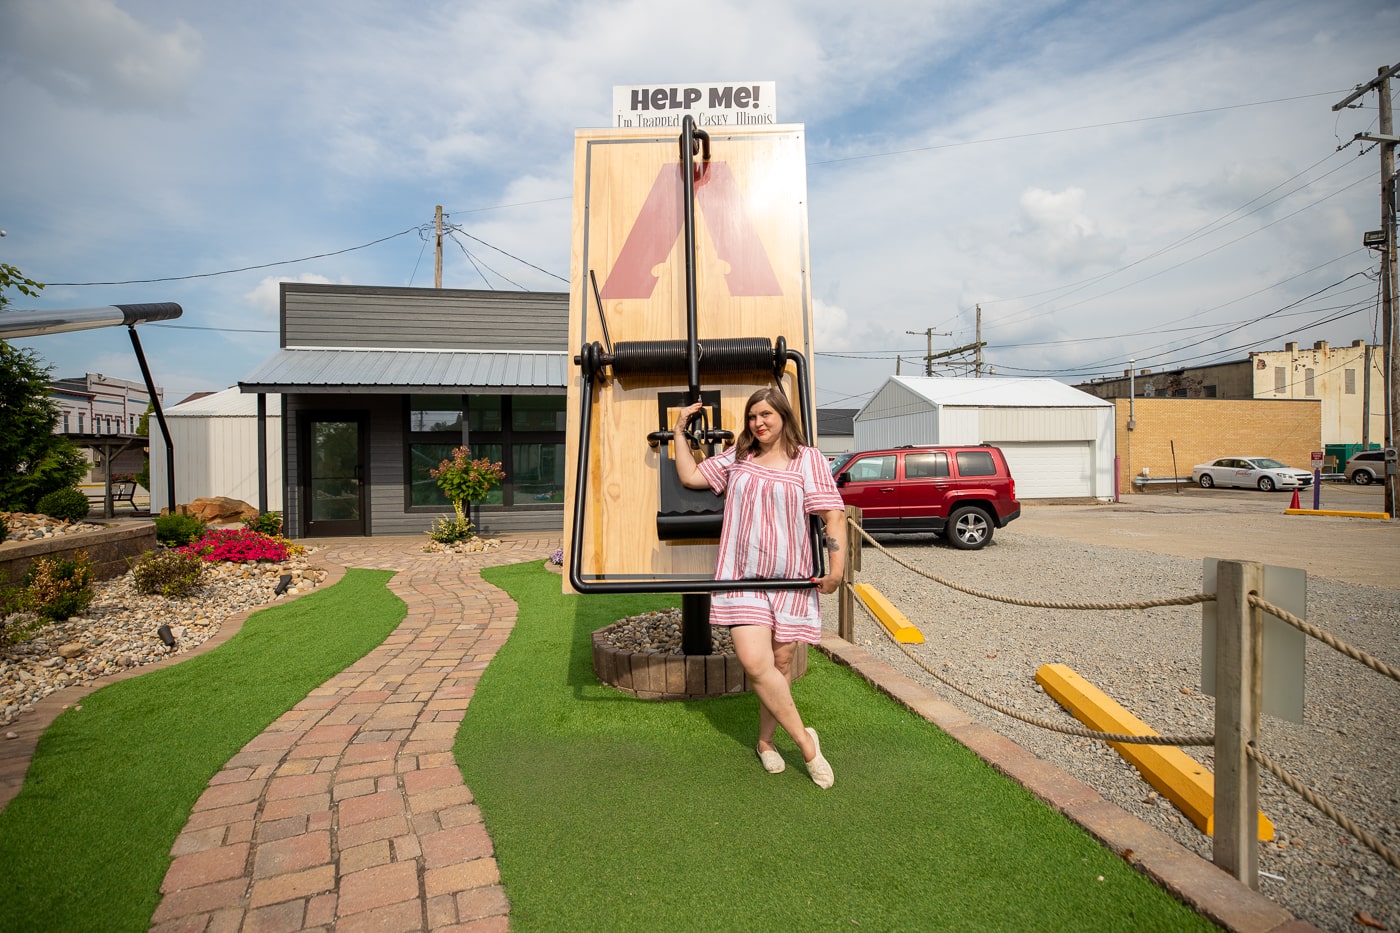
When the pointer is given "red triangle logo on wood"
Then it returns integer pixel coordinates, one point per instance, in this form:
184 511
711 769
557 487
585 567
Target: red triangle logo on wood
658 226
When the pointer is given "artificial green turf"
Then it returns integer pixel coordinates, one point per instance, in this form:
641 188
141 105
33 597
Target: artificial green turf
86 843
612 813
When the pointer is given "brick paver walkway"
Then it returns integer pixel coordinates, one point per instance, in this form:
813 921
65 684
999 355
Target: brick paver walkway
349 811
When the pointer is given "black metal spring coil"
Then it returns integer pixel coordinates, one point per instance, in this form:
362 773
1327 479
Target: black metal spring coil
667 357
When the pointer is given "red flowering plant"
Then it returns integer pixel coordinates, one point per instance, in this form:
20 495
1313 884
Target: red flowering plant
237 545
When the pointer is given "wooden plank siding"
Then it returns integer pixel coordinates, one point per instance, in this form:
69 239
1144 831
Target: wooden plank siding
422 319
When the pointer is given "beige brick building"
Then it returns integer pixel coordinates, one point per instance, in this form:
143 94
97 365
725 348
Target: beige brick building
1347 382
1174 434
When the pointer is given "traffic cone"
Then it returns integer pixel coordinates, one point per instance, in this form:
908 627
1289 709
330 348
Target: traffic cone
1294 503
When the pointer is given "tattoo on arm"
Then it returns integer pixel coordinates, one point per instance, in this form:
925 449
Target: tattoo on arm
832 544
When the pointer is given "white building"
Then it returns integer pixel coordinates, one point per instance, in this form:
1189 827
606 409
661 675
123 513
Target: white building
216 450
1058 441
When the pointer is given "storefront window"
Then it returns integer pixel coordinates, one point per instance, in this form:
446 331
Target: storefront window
434 413
525 434
539 473
484 413
537 413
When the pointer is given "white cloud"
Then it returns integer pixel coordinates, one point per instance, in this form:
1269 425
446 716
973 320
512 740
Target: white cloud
94 53
266 297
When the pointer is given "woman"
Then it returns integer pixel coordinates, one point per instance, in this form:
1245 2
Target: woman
773 483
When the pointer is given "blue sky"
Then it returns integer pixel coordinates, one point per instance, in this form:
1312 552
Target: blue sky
1107 180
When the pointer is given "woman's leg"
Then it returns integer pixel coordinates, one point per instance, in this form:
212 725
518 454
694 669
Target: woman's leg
783 653
753 644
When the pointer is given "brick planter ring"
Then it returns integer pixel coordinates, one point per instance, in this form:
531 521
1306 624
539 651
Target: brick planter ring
655 675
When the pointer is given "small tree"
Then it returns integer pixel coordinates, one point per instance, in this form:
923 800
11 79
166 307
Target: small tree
34 461
464 480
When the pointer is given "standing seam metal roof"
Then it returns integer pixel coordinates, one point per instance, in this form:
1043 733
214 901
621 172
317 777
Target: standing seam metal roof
385 371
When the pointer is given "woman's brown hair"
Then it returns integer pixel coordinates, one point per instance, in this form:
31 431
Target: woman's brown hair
791 438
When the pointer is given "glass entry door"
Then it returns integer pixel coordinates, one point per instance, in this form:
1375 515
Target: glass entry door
333 481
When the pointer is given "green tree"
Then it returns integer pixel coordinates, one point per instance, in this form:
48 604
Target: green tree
34 461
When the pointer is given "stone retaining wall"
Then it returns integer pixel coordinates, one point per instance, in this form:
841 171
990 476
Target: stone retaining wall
654 675
111 551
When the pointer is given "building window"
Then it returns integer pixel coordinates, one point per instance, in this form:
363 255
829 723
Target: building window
524 433
1308 383
65 422
80 422
1350 377
1208 392
1280 380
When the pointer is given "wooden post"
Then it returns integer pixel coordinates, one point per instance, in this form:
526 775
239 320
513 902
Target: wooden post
437 260
846 621
1238 697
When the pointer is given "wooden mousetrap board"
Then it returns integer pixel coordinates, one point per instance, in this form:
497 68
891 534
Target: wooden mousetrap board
752 281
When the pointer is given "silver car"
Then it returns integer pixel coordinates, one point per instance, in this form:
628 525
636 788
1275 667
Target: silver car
1366 467
1263 472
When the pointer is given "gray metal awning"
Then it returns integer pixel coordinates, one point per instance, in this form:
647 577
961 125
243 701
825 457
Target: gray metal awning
384 372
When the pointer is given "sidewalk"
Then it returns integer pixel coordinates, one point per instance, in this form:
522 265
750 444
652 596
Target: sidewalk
350 811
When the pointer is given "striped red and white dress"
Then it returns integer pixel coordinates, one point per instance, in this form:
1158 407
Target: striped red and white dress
766 536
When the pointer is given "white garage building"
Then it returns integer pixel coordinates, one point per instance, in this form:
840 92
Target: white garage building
1058 441
216 450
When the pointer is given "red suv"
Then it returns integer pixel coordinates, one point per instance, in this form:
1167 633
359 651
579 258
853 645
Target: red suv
961 493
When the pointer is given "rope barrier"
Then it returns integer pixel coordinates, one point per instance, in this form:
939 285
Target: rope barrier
1371 842
1320 803
1079 731
1327 638
1190 600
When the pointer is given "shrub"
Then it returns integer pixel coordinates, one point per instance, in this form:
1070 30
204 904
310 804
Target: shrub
56 587
265 523
451 530
68 504
176 529
235 544
463 479
168 573
557 558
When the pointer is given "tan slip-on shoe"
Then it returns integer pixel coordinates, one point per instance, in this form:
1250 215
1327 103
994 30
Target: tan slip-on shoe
818 767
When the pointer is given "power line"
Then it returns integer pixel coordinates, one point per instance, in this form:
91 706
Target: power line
265 265
523 262
1070 129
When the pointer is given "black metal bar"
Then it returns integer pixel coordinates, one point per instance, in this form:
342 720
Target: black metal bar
262 453
695 624
598 297
689 134
160 417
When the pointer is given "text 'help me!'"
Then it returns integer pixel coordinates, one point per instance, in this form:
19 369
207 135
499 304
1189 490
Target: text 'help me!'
720 105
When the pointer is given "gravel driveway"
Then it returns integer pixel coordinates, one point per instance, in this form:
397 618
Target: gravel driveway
1149 546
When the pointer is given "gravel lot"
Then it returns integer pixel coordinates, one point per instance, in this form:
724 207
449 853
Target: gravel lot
1150 546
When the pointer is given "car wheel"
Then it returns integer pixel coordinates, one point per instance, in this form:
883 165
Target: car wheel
969 528
1206 481
1266 484
1362 478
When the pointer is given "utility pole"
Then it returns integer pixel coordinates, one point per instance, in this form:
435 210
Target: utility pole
1387 140
928 357
437 262
977 369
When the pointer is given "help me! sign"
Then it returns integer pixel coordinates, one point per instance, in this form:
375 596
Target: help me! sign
711 105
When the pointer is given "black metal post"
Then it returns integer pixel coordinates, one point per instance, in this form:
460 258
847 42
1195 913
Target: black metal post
695 624
262 453
160 417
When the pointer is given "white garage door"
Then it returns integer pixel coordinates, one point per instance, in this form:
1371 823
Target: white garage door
1053 470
